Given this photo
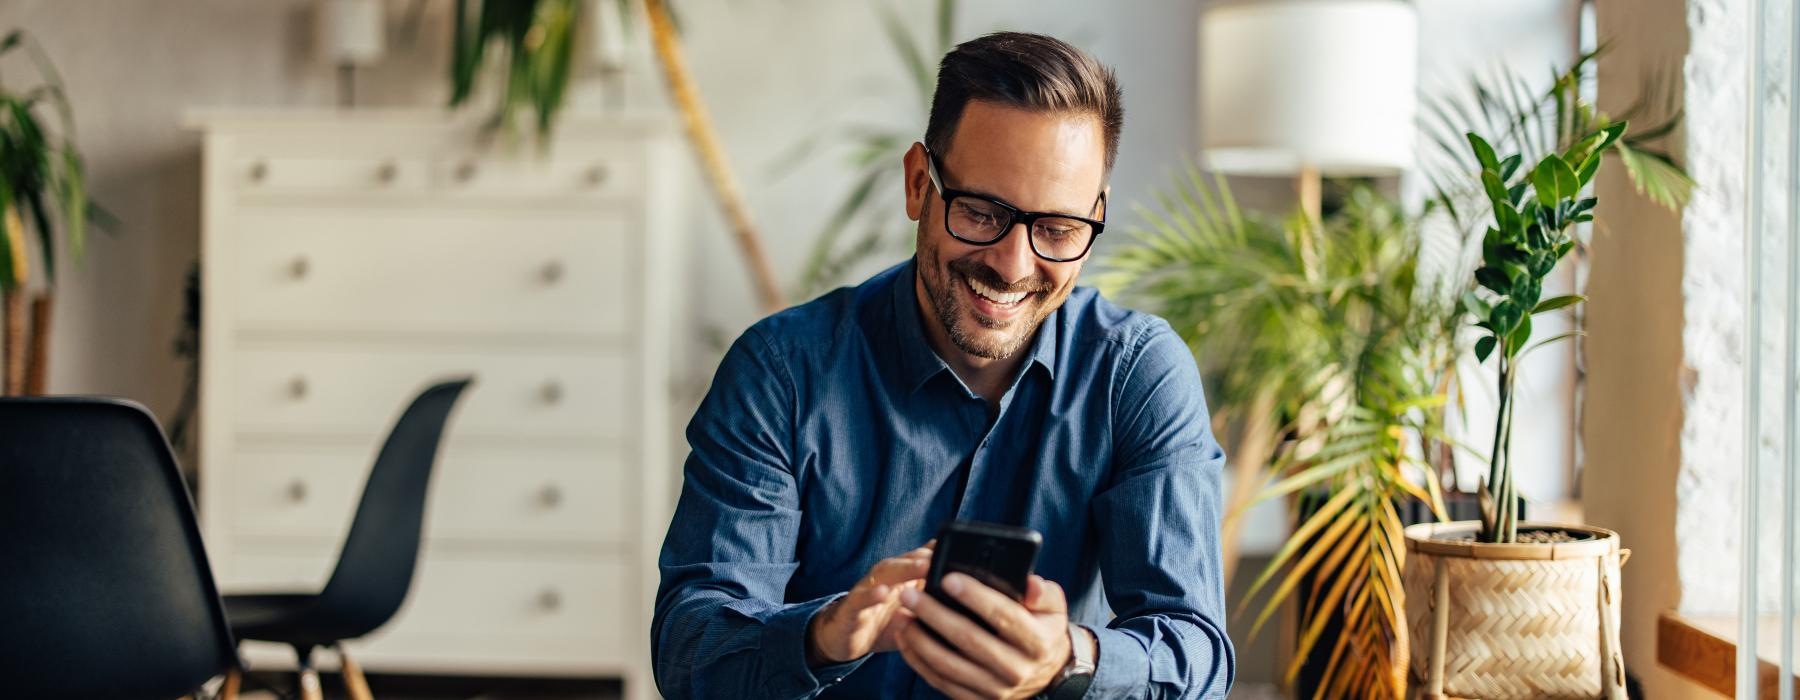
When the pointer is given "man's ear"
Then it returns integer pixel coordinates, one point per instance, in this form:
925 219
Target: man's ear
917 182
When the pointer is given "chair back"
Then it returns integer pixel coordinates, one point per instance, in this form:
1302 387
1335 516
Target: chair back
105 589
375 568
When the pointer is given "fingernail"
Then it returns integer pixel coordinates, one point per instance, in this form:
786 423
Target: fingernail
953 584
909 597
880 591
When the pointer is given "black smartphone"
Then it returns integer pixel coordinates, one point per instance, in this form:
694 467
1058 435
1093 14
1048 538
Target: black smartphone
1000 556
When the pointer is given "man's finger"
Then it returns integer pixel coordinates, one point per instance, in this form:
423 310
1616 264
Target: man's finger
965 635
911 639
1044 596
1010 620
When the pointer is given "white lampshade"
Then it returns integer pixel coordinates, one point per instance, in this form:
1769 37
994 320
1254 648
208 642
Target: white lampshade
1326 84
351 32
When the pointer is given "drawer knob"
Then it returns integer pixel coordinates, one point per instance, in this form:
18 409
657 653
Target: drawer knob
596 176
465 171
553 272
552 392
387 173
299 268
550 600
259 171
296 491
297 388
551 496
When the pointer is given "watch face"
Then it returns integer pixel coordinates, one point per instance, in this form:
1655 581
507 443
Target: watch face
1073 686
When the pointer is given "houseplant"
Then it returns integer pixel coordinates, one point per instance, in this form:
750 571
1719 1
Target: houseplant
1344 361
43 188
1501 610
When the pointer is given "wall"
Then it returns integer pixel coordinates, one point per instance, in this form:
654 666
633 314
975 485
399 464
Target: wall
1646 290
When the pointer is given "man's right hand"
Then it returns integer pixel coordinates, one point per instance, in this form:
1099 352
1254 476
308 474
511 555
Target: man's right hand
859 623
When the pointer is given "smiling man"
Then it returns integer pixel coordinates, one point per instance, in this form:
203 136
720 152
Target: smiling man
975 381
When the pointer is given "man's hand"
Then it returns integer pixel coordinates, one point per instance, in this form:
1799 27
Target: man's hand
1026 651
859 623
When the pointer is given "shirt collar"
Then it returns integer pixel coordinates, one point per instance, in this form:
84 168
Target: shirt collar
910 354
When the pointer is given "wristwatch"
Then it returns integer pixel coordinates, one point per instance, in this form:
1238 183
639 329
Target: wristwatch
1078 674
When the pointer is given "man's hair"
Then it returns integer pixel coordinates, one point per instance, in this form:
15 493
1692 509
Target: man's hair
1024 71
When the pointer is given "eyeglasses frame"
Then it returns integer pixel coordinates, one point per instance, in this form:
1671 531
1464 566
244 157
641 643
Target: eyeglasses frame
1017 215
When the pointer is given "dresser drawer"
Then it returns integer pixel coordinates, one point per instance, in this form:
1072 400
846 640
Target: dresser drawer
464 605
478 493
608 174
258 175
398 270
360 390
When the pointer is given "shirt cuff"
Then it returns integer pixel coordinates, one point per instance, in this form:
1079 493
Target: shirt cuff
784 636
1123 668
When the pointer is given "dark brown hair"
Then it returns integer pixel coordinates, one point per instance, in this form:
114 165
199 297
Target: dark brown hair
1024 71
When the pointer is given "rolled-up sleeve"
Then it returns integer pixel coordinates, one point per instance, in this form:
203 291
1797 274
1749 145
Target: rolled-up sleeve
1157 522
720 628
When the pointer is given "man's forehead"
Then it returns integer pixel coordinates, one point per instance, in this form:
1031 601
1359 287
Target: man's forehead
1051 161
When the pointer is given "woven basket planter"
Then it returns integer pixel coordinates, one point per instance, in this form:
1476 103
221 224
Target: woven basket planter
1499 621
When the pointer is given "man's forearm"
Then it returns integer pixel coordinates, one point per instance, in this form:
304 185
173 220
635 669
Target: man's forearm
713 646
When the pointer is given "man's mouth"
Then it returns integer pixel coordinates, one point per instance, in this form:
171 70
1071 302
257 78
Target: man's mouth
994 295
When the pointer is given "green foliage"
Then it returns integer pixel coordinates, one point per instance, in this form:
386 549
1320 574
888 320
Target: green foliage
41 173
537 38
1355 348
1527 238
1510 116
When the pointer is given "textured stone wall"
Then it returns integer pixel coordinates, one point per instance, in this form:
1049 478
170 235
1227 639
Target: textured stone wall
1712 292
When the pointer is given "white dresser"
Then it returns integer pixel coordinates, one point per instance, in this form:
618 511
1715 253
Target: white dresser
350 259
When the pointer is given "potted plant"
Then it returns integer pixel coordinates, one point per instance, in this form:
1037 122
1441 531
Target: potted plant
42 186
1500 608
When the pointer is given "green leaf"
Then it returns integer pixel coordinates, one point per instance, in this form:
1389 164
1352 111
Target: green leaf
1554 181
1510 166
1484 153
1519 336
1554 303
1656 176
1496 191
1493 279
1484 347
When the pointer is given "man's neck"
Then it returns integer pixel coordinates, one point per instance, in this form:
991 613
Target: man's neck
988 378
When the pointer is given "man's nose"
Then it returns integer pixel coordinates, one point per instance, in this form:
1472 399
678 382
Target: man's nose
1012 256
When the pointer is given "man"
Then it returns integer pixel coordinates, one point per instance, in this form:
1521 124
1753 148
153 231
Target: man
974 381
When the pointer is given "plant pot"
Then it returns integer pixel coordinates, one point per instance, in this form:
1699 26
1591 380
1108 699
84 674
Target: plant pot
1500 621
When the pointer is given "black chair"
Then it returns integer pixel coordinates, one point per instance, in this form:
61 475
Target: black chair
105 590
375 568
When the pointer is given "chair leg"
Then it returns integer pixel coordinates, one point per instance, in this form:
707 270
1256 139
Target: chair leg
354 682
233 680
309 676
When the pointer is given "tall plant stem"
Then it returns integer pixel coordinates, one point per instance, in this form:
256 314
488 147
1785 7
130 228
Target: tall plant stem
14 340
711 151
37 358
1510 532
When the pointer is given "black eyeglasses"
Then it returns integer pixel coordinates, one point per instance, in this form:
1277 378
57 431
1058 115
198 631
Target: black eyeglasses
981 220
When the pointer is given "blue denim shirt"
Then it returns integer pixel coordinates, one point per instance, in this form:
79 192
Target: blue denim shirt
833 437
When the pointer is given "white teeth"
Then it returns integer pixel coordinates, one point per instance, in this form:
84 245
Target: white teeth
995 295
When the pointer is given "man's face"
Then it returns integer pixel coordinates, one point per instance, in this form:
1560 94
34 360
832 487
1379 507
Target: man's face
989 300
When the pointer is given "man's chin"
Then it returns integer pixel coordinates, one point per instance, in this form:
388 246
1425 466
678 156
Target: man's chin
988 342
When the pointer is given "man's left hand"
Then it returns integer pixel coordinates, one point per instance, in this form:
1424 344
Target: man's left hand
1026 651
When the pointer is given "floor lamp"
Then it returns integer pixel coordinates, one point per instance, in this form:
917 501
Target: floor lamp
1308 89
